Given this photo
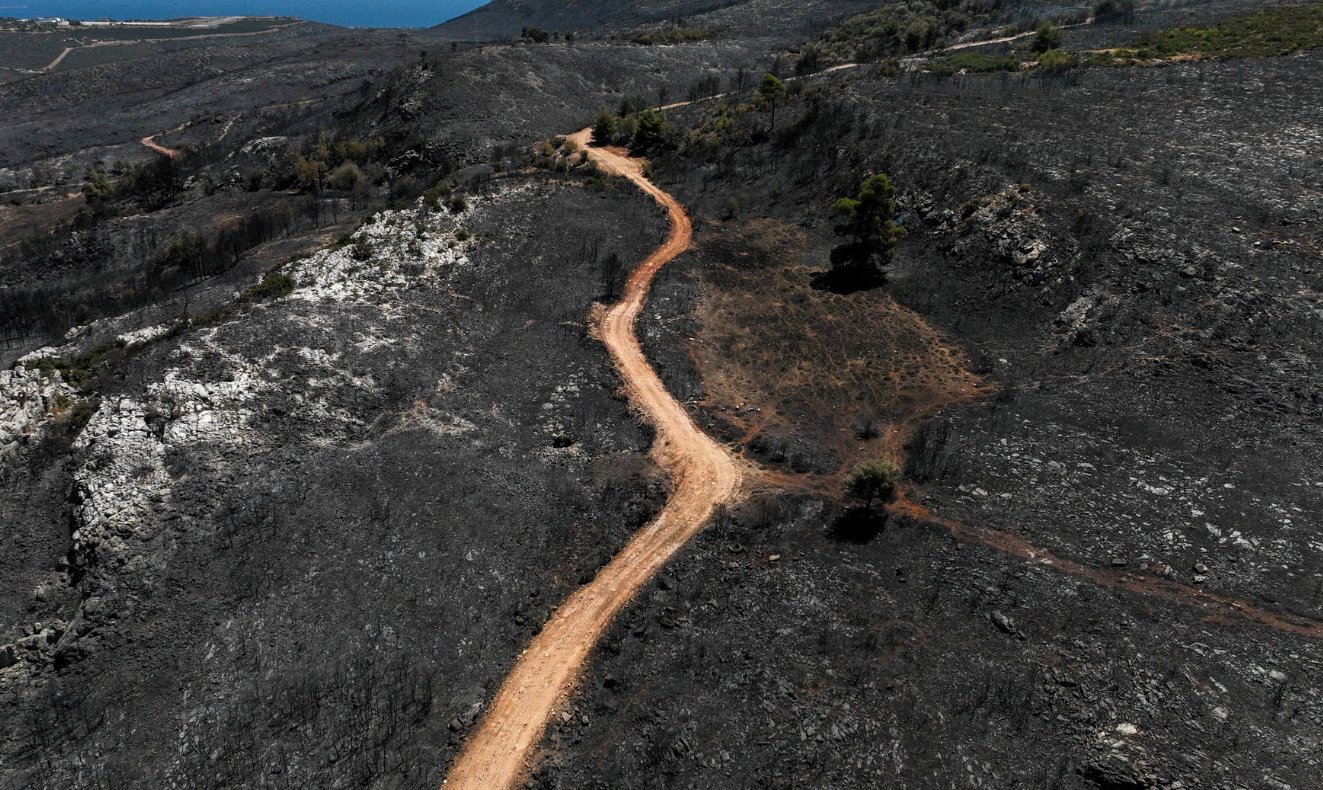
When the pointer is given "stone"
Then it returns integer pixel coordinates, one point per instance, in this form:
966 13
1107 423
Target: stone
1114 772
1004 624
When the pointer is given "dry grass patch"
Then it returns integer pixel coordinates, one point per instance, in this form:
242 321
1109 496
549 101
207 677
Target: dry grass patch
840 371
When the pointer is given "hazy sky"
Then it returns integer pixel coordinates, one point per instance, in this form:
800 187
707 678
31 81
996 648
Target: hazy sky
358 13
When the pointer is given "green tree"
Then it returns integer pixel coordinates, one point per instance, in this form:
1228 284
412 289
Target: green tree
605 127
771 90
870 480
867 219
1049 36
98 188
651 131
629 126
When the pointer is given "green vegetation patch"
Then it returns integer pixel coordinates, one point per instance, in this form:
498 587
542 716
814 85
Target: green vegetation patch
873 480
272 286
975 63
903 28
1268 33
82 372
675 35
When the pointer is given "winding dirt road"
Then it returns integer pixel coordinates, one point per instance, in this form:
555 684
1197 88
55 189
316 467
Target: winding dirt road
150 142
705 474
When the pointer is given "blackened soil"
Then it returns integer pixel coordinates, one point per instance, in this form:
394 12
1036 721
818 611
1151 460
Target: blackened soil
329 598
1141 305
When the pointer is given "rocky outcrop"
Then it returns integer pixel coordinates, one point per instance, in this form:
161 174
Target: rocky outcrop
205 407
1008 223
30 401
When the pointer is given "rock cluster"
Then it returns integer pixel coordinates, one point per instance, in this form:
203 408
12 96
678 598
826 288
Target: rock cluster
1009 223
29 401
204 405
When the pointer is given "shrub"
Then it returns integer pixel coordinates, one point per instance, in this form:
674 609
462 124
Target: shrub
432 197
98 187
1049 37
1275 31
870 480
345 177
535 34
974 63
1055 61
674 35
272 286
361 251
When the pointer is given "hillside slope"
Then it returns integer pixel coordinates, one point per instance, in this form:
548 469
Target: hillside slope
1091 355
503 19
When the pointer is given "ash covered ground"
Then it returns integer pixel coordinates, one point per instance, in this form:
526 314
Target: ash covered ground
288 518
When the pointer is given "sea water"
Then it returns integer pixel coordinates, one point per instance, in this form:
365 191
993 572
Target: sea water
351 13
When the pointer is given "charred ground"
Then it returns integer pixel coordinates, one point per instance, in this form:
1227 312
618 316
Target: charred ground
1138 310
286 518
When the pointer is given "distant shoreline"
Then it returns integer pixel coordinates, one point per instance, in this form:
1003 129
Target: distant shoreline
400 14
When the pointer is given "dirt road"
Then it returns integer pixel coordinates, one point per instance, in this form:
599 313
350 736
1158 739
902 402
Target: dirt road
704 473
58 59
150 142
1215 607
173 153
